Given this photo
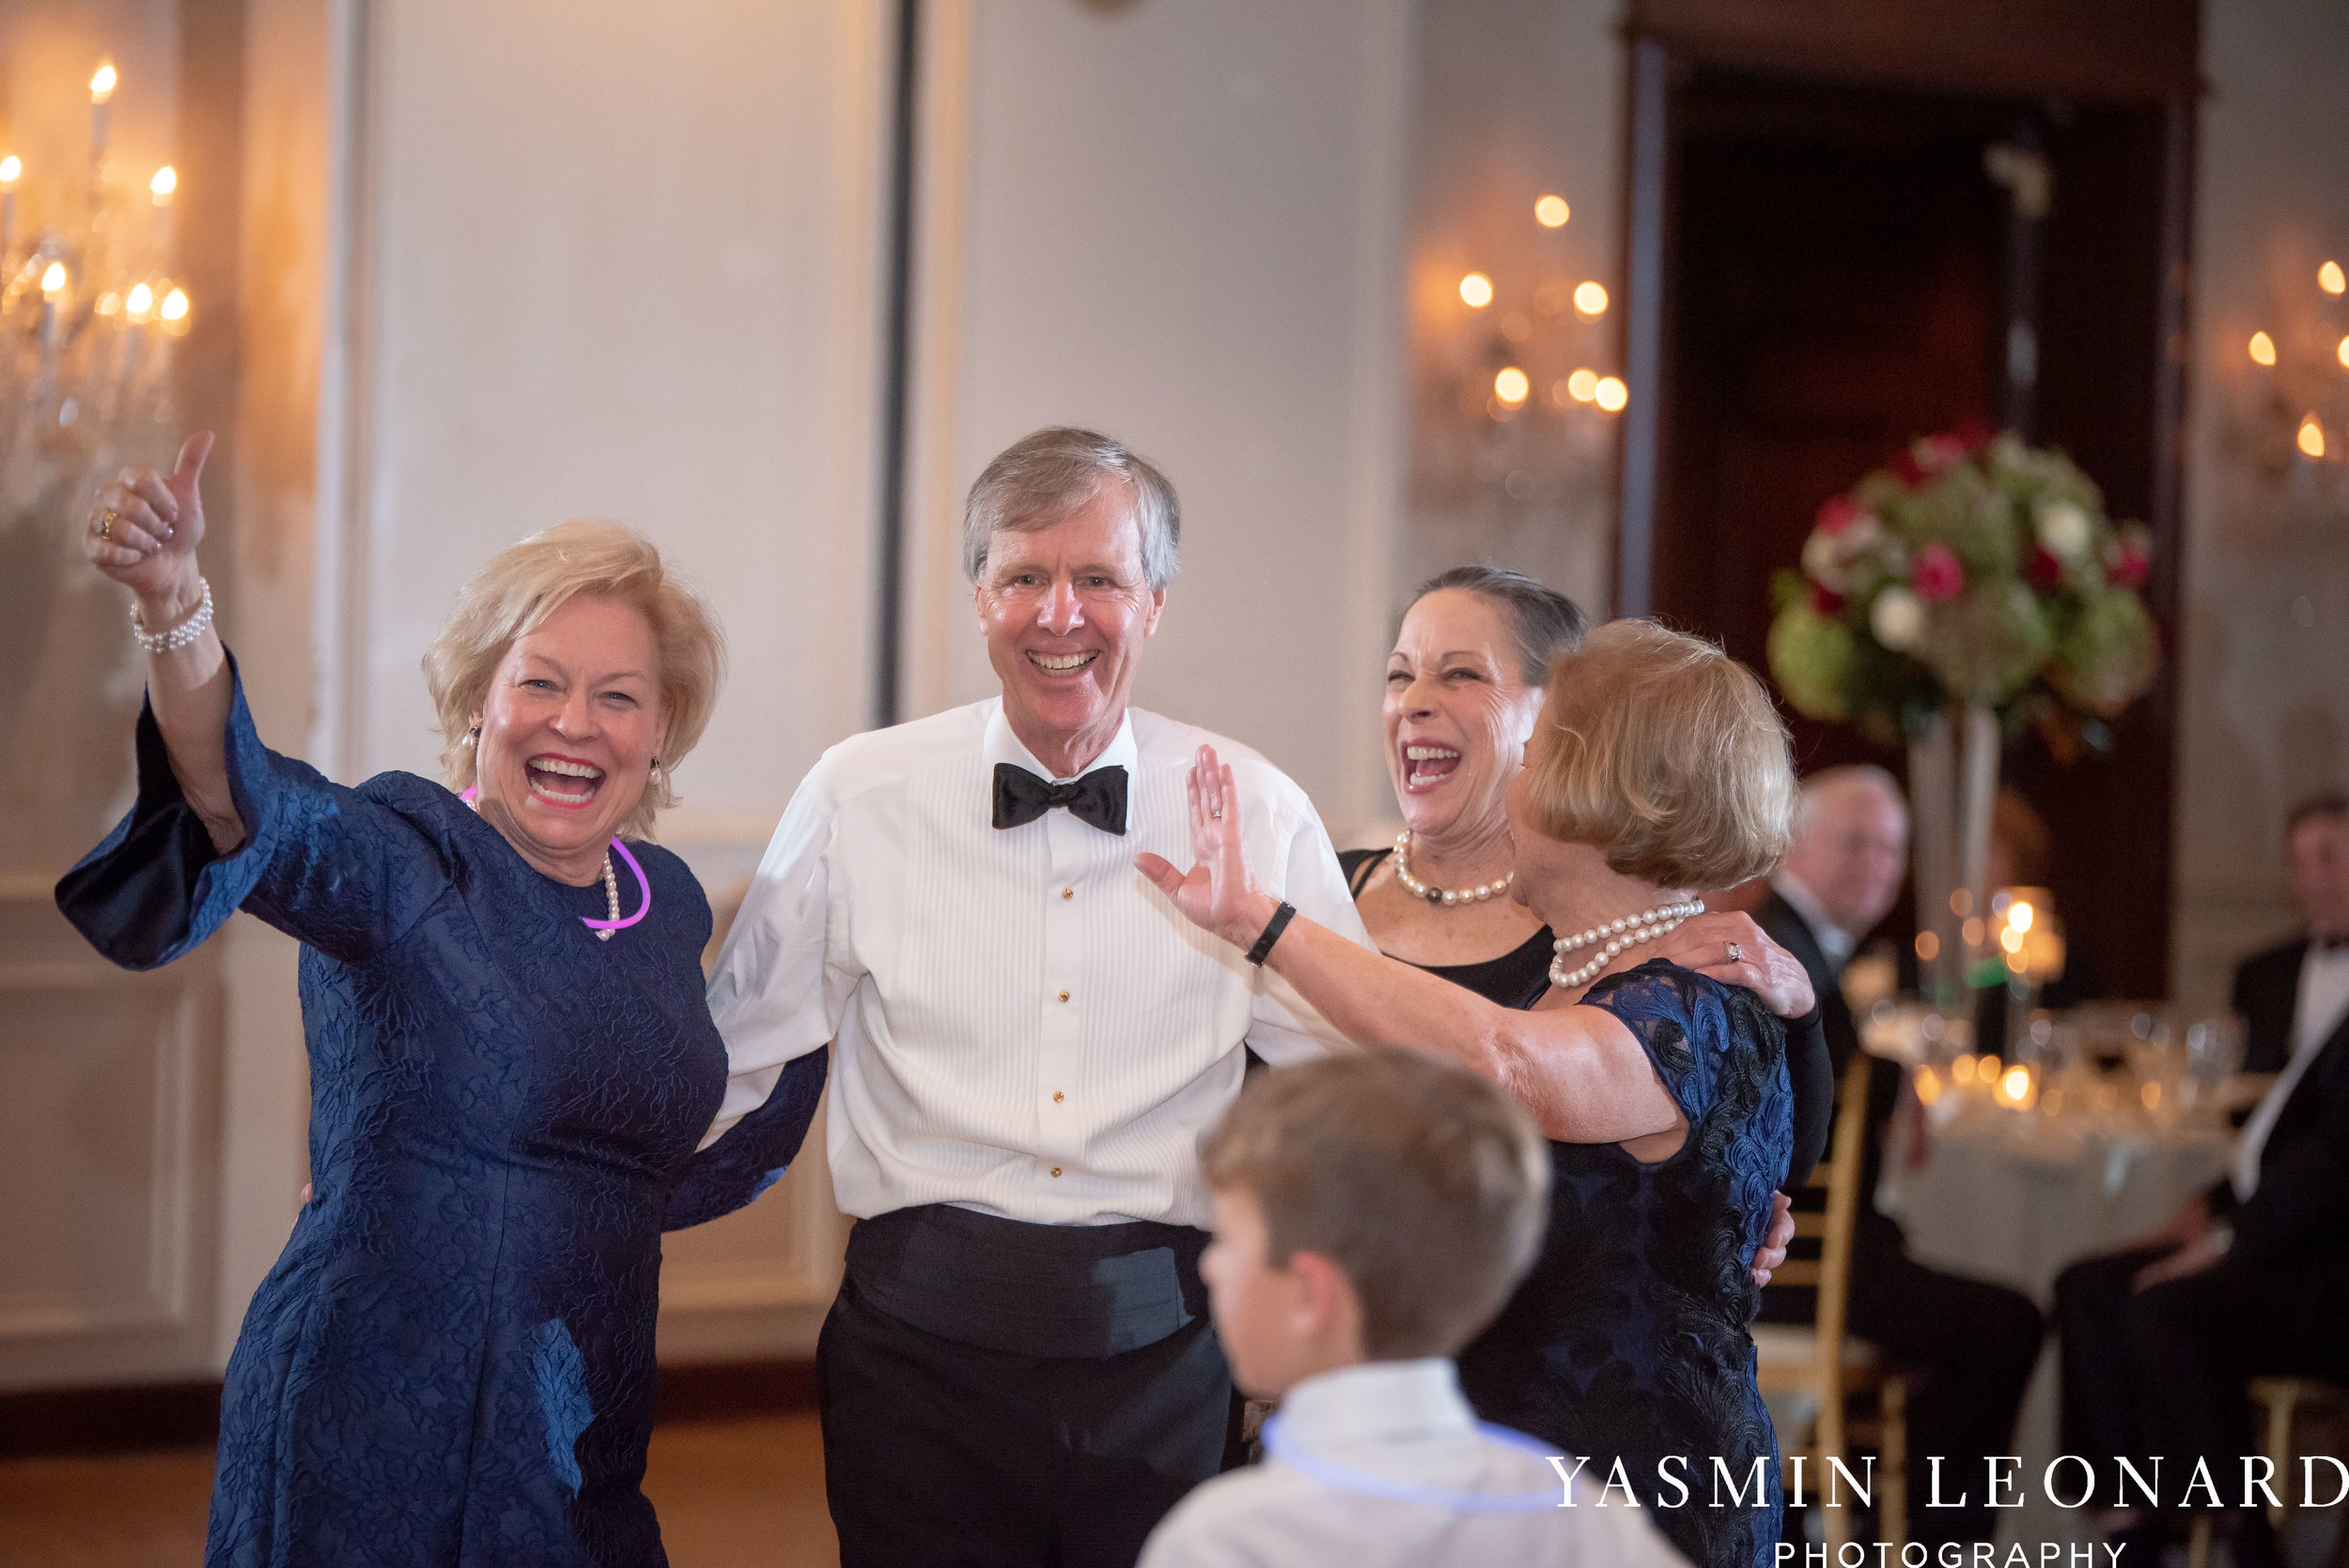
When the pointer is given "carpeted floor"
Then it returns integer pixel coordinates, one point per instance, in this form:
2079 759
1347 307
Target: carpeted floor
731 1494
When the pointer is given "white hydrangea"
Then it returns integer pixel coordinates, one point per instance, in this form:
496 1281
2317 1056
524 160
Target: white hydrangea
1898 619
2065 529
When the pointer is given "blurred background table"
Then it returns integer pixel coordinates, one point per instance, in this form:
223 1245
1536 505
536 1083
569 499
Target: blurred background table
2015 1196
2010 1171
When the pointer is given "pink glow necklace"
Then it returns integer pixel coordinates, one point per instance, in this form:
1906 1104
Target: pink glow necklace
602 928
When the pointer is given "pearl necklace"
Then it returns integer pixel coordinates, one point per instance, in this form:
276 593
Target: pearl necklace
1620 936
1445 896
611 899
602 928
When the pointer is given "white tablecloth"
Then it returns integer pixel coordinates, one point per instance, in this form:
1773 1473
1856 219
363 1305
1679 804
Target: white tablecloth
2011 1197
2014 1198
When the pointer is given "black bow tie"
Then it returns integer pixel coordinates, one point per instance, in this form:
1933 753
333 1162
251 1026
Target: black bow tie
1098 797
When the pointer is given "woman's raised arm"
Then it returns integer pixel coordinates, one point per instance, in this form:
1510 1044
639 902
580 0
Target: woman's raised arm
1576 1069
143 532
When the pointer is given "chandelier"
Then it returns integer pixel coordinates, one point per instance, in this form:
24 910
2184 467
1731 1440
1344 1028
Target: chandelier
1517 407
89 317
2294 417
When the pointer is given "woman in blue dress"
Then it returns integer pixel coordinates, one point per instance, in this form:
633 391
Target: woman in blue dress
510 1059
1657 767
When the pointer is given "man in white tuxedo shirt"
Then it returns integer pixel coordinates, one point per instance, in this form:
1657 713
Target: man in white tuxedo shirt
1018 1367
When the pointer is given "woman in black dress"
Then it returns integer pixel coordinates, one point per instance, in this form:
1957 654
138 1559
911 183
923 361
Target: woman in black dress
1656 768
1464 685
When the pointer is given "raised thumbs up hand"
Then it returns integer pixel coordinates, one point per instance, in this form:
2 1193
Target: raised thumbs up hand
144 529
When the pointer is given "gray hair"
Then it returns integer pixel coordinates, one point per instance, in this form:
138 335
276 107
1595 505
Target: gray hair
1042 479
1546 622
1817 785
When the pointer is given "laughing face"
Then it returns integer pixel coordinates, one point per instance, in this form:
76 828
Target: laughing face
1066 610
570 726
1457 714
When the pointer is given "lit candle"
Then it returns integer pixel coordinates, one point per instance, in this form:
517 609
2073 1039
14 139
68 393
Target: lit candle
165 181
11 168
102 88
52 295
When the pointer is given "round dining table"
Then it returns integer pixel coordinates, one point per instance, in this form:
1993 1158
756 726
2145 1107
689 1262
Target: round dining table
2014 1196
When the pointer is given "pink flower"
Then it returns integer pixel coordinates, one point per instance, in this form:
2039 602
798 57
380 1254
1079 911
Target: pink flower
1973 434
2130 570
2043 570
1839 513
1937 576
1935 453
1825 600
1910 472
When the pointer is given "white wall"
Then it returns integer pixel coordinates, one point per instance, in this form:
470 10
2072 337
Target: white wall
624 261
2264 713
1180 224
1514 99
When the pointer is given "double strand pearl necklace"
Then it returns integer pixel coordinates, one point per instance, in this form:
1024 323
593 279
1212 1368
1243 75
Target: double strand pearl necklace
1618 936
1448 897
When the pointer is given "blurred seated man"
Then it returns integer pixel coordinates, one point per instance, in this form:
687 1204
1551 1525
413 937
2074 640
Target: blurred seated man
1970 1345
2246 1279
2292 996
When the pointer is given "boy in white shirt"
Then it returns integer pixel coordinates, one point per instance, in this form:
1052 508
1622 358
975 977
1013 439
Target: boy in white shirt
1372 1213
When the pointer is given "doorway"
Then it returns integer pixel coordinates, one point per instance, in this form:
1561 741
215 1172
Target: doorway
1842 266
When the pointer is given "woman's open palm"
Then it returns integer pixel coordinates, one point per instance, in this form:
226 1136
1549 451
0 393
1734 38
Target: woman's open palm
1217 894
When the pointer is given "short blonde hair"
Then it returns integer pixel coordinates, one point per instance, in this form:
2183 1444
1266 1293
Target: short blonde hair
1664 754
518 587
1425 1184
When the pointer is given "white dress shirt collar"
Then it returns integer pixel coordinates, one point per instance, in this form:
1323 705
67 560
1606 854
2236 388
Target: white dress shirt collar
1833 940
1378 1402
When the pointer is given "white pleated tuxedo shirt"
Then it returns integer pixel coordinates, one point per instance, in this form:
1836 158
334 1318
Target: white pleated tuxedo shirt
1024 1025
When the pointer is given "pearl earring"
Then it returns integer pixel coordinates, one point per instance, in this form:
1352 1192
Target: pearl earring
471 736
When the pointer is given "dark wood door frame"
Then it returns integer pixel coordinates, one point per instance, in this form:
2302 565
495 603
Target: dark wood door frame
2098 55
2132 51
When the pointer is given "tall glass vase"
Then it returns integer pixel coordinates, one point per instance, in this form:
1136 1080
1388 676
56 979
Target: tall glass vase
1952 779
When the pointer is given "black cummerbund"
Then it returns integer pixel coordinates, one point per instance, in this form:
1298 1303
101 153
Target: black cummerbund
1061 1291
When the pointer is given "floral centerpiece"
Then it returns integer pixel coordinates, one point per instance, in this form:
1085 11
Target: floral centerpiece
1973 571
1973 585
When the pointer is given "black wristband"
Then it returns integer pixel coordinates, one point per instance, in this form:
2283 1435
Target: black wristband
1272 929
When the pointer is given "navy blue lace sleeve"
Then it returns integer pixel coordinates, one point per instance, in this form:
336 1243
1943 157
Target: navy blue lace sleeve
755 1152
1671 1018
332 867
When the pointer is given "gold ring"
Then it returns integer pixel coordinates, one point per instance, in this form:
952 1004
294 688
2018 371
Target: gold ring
106 523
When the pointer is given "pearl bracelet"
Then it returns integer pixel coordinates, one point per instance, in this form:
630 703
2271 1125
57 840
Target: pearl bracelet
178 636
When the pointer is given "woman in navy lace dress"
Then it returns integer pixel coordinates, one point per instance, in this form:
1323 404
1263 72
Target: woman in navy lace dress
1657 767
510 1059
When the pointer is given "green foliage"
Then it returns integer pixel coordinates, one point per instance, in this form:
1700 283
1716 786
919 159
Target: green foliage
2010 588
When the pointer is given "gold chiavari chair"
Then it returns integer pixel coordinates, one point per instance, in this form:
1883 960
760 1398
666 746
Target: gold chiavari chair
1821 1366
